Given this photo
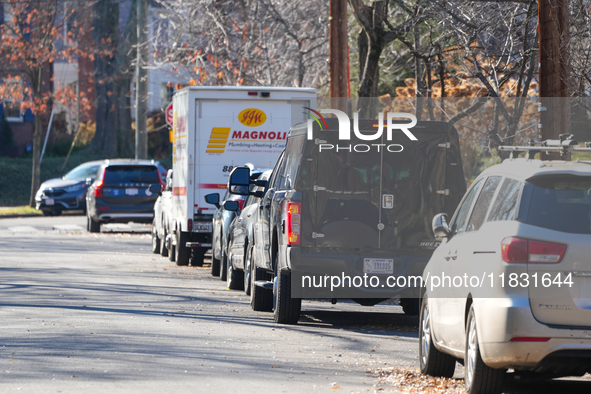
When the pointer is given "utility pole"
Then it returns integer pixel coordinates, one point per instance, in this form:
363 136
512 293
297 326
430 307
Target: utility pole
141 83
553 17
338 55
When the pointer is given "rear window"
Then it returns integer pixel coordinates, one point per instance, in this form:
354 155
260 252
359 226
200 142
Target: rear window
561 203
131 174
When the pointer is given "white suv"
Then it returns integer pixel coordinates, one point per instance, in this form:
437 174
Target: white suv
510 285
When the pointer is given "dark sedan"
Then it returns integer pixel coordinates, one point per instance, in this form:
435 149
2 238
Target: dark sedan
68 192
124 191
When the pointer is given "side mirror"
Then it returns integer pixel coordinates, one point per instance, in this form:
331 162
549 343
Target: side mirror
89 181
155 189
440 226
231 206
258 193
239 181
213 199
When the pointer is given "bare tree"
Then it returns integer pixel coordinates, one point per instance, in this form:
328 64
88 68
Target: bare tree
247 42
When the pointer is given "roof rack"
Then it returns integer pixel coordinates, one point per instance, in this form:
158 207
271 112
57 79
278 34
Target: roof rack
565 144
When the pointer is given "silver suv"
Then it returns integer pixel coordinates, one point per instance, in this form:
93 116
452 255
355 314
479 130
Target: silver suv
510 285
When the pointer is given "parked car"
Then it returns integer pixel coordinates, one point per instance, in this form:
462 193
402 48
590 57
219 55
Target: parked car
352 213
524 230
68 192
162 208
221 223
125 190
241 238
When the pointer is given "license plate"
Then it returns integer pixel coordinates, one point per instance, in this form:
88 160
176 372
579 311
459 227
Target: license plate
203 227
49 201
131 192
378 266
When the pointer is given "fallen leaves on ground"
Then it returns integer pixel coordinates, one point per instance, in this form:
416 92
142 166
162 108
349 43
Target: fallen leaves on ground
412 381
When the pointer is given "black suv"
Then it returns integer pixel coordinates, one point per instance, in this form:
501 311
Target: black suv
125 190
330 208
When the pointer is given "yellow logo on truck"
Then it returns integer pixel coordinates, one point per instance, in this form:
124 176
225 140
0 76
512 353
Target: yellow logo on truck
218 140
252 117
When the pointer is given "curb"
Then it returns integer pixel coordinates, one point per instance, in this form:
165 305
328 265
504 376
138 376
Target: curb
19 215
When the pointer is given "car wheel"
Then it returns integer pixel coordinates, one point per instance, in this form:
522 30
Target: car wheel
432 361
480 378
172 249
92 225
286 309
261 299
247 269
181 251
46 212
197 256
411 306
223 266
215 265
235 278
163 248
155 239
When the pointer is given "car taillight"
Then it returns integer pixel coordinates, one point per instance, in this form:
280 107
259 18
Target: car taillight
519 250
190 225
98 187
293 223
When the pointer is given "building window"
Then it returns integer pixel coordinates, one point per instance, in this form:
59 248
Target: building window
167 93
13 92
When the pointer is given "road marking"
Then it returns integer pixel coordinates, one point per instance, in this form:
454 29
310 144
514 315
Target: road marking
67 227
23 229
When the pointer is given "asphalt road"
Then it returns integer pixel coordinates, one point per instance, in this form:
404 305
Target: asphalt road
99 313
95 313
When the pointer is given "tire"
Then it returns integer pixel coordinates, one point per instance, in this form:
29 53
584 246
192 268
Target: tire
286 309
155 239
411 306
235 278
215 266
91 225
261 299
163 248
480 378
247 269
432 361
197 256
171 251
182 253
46 212
224 266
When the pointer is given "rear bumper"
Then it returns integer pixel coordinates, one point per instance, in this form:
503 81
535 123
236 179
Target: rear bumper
567 352
309 268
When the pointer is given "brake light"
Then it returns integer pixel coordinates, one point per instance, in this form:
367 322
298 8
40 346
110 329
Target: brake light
293 223
190 225
519 250
545 252
98 187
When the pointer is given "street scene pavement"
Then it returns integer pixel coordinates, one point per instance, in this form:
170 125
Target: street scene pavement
99 313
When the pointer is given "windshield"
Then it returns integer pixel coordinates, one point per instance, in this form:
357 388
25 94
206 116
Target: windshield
561 203
131 174
82 172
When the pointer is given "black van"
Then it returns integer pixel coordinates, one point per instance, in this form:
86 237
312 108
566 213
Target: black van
351 208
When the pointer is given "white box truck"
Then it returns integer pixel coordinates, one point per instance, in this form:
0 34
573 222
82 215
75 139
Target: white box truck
214 130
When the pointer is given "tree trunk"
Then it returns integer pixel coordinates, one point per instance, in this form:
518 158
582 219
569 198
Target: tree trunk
36 174
106 28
